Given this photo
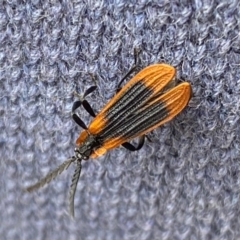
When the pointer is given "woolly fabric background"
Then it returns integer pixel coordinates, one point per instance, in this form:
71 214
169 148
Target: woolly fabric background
184 185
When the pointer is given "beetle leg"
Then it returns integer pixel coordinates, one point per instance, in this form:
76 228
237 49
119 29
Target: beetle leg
132 69
85 104
130 147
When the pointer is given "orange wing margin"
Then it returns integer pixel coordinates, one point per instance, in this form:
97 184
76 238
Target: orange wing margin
157 77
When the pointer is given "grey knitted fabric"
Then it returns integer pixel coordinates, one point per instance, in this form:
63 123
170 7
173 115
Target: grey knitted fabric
183 185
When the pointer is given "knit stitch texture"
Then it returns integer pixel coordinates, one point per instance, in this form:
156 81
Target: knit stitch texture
183 185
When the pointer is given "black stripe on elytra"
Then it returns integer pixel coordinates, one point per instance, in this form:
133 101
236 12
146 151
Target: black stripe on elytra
140 121
128 99
131 100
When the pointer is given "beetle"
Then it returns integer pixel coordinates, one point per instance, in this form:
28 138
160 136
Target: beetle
149 99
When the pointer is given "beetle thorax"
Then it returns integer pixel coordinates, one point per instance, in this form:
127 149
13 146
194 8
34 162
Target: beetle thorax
84 150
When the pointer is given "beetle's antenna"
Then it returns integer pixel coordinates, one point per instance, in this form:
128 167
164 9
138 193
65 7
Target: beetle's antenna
49 177
73 186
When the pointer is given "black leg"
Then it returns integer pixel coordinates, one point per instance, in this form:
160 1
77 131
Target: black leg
90 90
135 65
148 138
79 121
88 108
85 104
130 147
76 105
